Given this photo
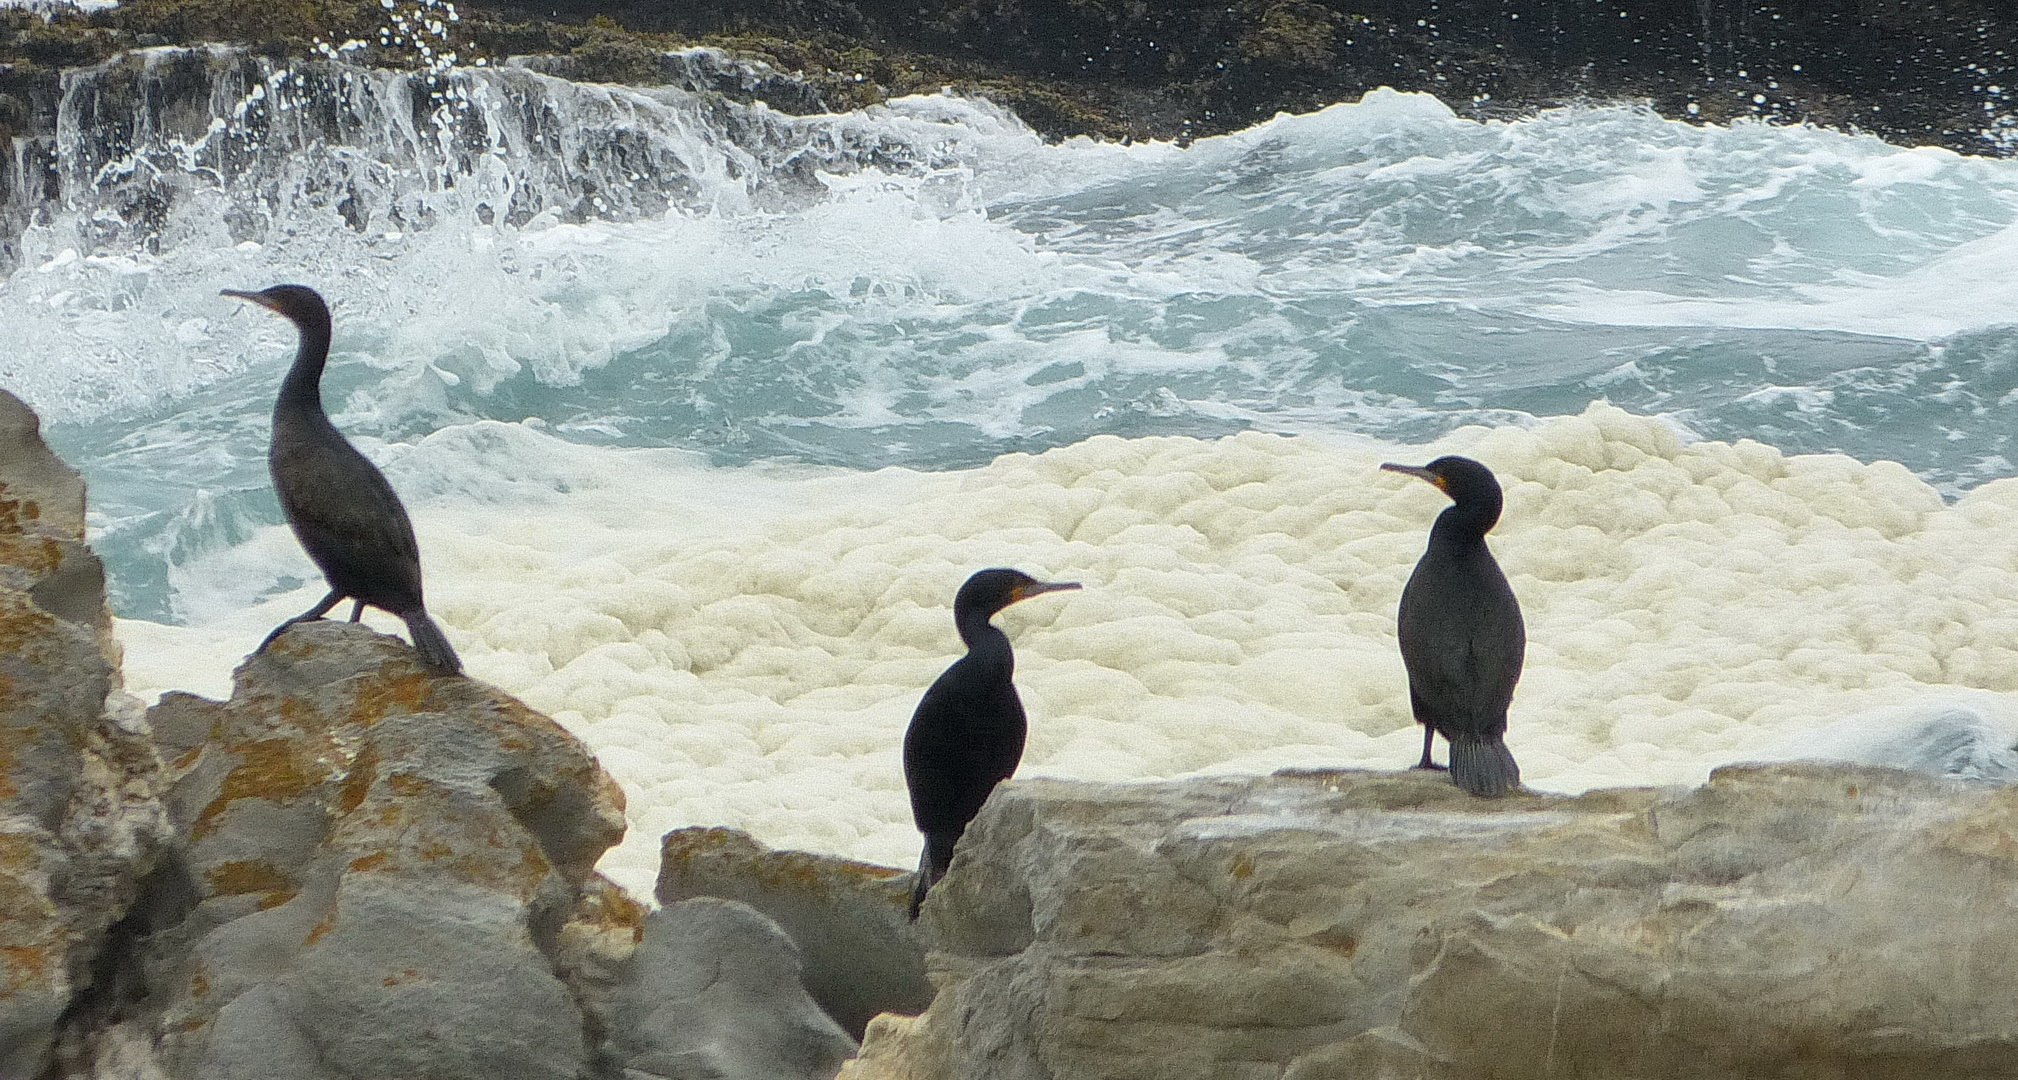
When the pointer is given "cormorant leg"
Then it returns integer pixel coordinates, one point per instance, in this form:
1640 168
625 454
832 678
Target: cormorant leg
357 612
1428 733
310 615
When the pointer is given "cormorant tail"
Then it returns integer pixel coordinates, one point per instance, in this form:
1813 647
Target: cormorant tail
434 649
1483 767
932 864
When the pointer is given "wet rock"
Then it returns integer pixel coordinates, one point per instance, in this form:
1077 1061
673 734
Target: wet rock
80 824
699 71
862 953
386 874
713 993
1793 919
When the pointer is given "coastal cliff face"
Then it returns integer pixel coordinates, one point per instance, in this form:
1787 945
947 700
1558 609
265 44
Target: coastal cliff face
1793 920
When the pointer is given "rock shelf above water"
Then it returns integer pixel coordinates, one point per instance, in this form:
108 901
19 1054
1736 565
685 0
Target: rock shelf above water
1812 920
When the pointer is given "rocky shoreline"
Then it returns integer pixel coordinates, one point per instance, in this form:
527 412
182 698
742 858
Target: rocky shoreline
1933 73
356 869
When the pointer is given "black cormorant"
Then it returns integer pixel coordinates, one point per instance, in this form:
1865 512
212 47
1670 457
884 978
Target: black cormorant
1462 638
967 735
338 504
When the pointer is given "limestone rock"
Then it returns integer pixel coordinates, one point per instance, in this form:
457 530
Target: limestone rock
713 993
377 871
898 1048
1813 920
79 817
862 953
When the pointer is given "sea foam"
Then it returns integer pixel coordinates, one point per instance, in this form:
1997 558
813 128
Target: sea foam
743 646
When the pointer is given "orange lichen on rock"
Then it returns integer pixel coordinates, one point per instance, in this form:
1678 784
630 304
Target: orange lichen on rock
244 876
268 769
393 695
26 964
357 783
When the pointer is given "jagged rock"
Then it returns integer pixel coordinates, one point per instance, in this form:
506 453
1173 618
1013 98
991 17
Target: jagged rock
1812 920
377 871
79 818
713 993
862 953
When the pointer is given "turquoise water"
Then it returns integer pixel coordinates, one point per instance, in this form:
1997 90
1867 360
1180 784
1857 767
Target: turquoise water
940 287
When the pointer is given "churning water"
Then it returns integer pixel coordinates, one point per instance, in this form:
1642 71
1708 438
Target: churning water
704 410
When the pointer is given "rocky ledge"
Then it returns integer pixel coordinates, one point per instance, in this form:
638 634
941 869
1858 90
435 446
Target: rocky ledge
1793 920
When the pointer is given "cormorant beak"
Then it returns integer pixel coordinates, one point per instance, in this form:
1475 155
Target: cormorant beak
1025 592
258 298
1416 471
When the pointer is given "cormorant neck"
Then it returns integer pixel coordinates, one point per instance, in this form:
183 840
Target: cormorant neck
302 388
1468 520
980 634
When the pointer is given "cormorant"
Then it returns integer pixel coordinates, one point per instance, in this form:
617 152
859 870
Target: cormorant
1462 638
338 504
967 735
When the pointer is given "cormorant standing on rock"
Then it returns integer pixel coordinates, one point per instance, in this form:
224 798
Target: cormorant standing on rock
337 502
967 735
1462 638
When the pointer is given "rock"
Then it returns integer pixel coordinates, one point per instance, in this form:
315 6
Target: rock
353 869
713 993
897 1048
382 873
1824 920
862 953
80 822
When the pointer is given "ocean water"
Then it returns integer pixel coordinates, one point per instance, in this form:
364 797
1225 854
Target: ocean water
703 412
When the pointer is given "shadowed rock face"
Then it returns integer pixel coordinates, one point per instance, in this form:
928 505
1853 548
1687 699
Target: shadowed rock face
1783 920
79 824
713 993
850 921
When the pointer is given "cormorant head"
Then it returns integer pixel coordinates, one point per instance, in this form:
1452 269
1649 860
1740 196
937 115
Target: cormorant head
1468 483
989 591
302 305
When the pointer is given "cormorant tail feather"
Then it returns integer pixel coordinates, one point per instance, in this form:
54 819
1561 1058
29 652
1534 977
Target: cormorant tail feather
1483 767
932 864
434 649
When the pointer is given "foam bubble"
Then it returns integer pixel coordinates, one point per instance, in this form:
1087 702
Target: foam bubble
744 646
